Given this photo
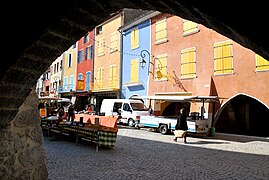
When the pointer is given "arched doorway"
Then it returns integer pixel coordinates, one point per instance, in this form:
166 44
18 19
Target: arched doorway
172 108
243 115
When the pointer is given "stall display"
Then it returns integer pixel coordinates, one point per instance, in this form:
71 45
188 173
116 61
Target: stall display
93 131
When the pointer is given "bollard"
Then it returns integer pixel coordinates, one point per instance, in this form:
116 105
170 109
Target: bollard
212 132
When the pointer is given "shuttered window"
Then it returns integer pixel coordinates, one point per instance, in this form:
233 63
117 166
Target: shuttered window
223 57
112 76
101 47
189 27
99 78
134 70
88 80
161 31
160 63
114 42
188 63
261 63
135 38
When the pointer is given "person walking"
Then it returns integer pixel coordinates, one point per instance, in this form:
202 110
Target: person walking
71 113
182 124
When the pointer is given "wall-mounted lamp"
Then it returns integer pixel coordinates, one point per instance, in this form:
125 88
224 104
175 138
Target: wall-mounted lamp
143 54
143 62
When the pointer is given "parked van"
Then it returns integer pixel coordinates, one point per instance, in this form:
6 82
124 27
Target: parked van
128 110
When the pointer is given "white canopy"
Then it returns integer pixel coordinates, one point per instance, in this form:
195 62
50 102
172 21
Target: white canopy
202 99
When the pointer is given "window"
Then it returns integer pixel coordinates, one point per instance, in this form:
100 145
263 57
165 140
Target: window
54 72
99 78
91 51
61 65
88 80
80 56
72 83
223 58
261 63
65 84
188 63
80 76
160 63
69 60
117 106
112 76
189 27
114 42
126 107
86 38
101 47
134 70
57 66
134 38
161 31
99 30
87 53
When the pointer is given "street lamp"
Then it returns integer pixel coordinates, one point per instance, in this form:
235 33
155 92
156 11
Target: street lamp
143 62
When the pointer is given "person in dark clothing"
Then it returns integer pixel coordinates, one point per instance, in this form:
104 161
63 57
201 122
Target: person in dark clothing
182 123
60 112
71 113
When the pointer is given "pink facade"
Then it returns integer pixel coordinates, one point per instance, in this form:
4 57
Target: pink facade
85 61
244 79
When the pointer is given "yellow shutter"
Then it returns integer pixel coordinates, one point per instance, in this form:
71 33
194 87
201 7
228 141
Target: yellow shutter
101 44
113 42
261 63
188 63
134 38
100 77
110 75
134 70
114 75
161 31
99 48
189 27
161 67
223 57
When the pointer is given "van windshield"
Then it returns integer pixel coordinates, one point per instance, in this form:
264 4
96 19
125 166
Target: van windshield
139 107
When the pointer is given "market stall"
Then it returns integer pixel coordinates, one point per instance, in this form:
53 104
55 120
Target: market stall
100 130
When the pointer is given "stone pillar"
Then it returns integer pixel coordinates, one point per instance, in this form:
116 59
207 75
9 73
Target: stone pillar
22 153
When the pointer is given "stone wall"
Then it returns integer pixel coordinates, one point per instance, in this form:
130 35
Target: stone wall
22 154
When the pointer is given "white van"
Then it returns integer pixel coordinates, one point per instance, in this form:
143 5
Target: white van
128 110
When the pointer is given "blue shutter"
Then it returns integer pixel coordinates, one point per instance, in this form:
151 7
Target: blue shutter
88 74
91 51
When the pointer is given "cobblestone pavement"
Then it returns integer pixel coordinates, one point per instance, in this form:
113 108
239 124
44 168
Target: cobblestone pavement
141 154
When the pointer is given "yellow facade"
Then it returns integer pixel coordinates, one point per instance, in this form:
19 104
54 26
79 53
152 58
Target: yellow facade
107 55
69 68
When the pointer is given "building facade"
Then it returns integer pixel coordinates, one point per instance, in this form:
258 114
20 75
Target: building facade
84 70
69 74
136 42
194 60
56 76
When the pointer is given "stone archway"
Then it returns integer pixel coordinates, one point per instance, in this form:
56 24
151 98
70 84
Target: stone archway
243 114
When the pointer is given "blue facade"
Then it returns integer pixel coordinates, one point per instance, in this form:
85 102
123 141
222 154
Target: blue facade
141 87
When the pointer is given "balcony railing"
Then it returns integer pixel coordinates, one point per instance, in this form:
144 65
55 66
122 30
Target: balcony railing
105 84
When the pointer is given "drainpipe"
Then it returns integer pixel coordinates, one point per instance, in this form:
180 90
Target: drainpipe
121 55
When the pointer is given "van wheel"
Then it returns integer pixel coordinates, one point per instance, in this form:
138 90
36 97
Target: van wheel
163 129
131 122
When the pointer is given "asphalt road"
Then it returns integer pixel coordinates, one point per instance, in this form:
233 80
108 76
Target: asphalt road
141 154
